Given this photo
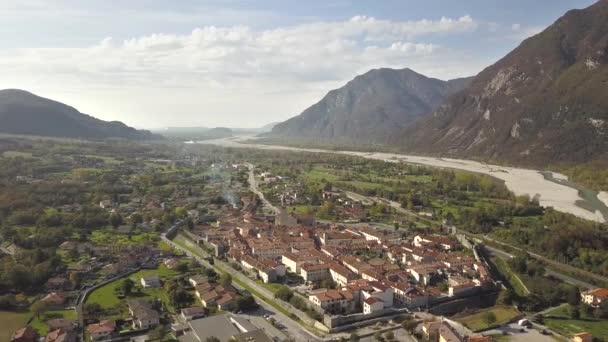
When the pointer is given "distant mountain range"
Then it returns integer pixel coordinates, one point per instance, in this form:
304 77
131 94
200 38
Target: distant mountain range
546 101
371 108
206 133
24 113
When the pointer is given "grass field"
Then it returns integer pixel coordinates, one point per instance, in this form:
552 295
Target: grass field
106 297
14 154
477 322
40 325
109 236
11 321
560 321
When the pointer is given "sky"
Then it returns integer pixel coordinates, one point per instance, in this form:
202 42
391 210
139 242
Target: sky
244 63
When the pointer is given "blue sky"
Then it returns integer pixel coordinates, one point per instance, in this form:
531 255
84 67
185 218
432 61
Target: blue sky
237 63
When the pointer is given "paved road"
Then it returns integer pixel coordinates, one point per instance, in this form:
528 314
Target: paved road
253 186
294 329
563 277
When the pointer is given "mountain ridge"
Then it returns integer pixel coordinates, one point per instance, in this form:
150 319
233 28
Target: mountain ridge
545 101
370 107
22 112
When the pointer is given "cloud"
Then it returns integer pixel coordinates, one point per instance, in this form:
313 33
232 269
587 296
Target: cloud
303 60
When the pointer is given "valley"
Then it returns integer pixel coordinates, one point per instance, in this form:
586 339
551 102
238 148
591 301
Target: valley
561 196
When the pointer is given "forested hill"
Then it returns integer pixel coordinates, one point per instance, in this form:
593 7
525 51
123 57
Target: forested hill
24 113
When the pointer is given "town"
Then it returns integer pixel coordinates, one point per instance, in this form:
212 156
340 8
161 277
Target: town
140 242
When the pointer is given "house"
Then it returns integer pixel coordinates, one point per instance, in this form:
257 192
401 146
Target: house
54 300
144 316
333 301
431 330
62 335
583 337
448 334
102 330
58 284
172 263
189 314
25 334
372 304
212 294
61 323
595 297
197 280
151 281
105 204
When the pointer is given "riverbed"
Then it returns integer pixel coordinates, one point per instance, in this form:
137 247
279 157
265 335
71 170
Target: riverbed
552 191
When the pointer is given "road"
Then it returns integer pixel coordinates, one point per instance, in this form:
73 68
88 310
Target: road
294 329
563 277
253 186
395 205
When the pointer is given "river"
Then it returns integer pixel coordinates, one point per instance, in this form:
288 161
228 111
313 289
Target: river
552 189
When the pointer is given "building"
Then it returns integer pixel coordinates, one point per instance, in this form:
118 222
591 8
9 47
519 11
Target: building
372 304
224 328
143 315
189 314
448 334
595 297
54 300
25 334
101 331
314 273
151 281
583 337
334 301
62 335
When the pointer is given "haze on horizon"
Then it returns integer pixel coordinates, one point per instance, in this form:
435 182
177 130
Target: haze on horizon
241 63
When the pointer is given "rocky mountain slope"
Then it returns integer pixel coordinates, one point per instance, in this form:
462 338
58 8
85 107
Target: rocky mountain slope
546 101
370 108
24 113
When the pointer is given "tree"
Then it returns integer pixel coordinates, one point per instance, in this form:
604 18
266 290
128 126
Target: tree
157 333
127 286
225 280
182 267
246 303
573 295
39 307
389 336
212 339
284 293
115 220
378 336
489 317
574 311
354 337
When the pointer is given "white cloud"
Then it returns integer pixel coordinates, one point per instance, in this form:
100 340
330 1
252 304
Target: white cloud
231 70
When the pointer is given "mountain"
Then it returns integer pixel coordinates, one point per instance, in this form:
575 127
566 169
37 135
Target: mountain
546 101
370 108
24 113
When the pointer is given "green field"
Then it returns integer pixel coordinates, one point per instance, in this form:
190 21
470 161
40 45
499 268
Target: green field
110 236
12 321
106 297
476 321
14 154
560 321
40 325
